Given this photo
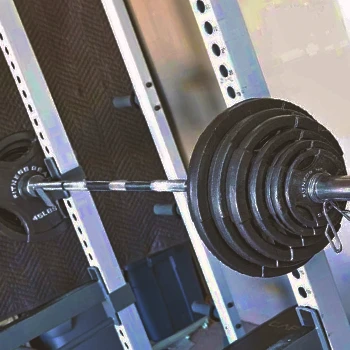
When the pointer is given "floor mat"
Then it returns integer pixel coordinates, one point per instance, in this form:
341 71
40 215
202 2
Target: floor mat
84 71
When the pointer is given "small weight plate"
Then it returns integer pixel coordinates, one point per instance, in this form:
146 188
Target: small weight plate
22 217
257 199
323 135
198 184
307 164
277 186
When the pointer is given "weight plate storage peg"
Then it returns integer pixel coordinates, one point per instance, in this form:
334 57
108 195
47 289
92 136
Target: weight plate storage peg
23 217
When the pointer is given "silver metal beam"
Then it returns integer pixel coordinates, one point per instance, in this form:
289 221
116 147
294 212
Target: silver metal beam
314 287
230 50
227 30
54 141
169 154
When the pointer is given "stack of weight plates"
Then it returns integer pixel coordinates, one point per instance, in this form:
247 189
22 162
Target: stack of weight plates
247 186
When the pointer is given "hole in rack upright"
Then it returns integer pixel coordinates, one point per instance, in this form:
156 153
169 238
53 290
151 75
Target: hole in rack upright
200 6
231 92
208 27
296 274
302 292
223 71
216 49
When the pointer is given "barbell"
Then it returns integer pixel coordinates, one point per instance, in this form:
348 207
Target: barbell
267 188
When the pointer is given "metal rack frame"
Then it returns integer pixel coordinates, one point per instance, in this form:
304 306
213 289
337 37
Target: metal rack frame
239 77
73 304
82 210
313 284
150 105
50 131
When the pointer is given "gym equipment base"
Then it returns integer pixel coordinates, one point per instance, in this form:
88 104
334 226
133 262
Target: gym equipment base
297 328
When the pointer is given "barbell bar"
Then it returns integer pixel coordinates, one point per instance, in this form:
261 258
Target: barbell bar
267 188
321 188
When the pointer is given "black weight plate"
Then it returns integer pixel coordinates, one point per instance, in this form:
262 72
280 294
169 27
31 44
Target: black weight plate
270 191
306 165
307 125
277 186
269 194
198 196
281 172
217 185
257 184
198 183
22 217
238 196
